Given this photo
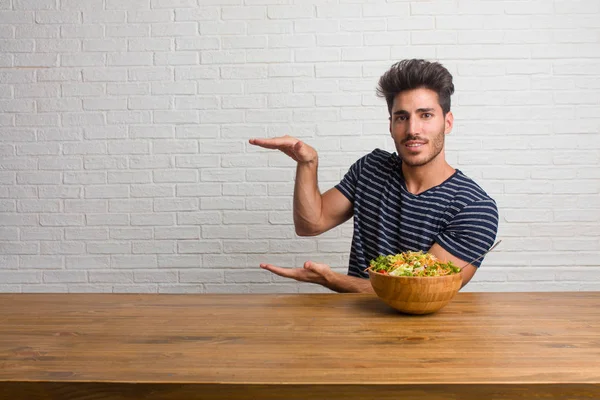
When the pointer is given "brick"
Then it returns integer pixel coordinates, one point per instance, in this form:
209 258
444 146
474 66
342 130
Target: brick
221 204
176 58
17 17
174 29
244 13
193 246
154 247
104 162
128 147
129 177
41 262
269 56
36 31
149 162
9 234
247 276
87 206
221 27
226 232
223 57
201 276
110 277
62 247
293 246
8 206
201 14
37 206
130 205
174 146
176 117
127 4
130 233
224 261
9 262
339 11
271 233
180 261
175 176
106 191
17 45
147 44
310 26
167 205
154 219
155 276
177 233
133 59
196 102
103 219
245 247
197 190
199 218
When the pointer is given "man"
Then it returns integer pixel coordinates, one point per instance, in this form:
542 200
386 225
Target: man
412 200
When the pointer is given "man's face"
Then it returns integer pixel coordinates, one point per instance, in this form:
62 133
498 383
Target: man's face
418 126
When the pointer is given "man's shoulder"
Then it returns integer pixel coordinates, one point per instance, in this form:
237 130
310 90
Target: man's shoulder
379 158
468 191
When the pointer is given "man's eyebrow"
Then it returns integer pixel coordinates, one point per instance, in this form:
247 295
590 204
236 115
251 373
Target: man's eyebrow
419 110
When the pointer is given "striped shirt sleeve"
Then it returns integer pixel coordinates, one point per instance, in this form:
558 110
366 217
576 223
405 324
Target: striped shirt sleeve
348 183
472 231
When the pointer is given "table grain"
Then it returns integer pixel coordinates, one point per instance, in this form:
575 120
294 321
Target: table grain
298 346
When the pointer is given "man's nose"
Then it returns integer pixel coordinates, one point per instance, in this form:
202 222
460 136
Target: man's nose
414 126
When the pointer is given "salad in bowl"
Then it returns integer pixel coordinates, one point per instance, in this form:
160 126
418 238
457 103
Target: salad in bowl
412 263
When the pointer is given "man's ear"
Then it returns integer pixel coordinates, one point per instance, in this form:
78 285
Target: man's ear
390 126
448 122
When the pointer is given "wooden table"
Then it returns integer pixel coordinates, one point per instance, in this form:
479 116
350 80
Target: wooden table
298 346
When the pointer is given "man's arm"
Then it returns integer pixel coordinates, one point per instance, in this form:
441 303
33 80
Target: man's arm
467 272
470 233
350 284
314 213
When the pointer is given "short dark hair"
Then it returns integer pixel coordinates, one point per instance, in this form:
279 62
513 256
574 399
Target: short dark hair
414 74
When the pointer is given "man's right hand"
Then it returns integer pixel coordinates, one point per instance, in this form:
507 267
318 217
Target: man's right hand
294 148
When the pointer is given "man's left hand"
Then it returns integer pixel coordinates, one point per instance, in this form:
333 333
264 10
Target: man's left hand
312 272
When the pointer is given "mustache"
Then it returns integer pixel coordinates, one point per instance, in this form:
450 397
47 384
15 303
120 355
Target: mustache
414 137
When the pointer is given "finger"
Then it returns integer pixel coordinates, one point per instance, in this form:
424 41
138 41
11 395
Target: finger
274 143
285 272
303 152
316 268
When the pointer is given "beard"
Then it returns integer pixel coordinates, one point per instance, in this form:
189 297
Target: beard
437 145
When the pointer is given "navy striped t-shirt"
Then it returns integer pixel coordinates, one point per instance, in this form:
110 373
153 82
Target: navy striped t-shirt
388 219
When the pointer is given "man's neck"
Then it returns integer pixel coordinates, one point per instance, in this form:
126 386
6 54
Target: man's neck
424 177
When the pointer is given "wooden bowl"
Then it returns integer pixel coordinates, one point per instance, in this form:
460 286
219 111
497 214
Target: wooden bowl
415 295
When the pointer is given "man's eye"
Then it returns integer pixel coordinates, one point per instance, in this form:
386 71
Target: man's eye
427 115
401 118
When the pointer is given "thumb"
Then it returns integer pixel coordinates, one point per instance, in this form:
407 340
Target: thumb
309 265
303 152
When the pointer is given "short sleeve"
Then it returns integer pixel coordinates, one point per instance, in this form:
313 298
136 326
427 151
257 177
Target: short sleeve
472 231
348 183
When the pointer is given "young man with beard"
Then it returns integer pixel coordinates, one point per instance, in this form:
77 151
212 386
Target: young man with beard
412 200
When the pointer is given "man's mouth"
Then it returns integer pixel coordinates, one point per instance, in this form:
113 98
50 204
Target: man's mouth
414 144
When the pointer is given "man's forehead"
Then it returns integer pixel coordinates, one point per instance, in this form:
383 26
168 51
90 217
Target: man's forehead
413 100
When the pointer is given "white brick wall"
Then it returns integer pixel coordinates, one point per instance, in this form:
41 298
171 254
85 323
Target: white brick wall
125 167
